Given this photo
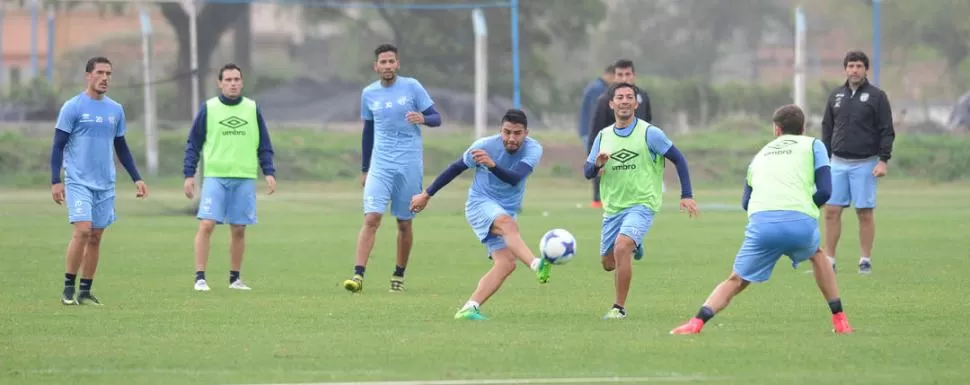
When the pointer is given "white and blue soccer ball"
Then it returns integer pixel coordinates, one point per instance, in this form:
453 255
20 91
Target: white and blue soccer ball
558 246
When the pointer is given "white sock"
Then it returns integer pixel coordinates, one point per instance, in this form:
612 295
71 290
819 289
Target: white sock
864 259
470 305
535 264
831 260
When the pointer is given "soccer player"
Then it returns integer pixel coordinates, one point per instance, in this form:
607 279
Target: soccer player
231 135
629 157
603 115
782 218
90 130
502 163
392 108
857 130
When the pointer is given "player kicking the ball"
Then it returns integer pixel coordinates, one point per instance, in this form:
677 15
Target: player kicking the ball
502 163
629 156
782 218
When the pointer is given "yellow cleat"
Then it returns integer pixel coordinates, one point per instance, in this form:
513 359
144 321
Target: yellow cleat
355 284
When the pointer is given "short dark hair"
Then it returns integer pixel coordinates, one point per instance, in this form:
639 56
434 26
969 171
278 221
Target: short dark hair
624 63
385 48
95 61
852 56
790 119
617 86
516 116
229 67
609 69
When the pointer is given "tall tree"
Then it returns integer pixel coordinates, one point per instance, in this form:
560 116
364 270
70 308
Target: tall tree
940 24
211 22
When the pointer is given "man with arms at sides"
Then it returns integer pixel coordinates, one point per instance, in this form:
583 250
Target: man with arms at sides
857 130
502 163
629 156
623 72
232 137
392 108
782 218
591 94
90 129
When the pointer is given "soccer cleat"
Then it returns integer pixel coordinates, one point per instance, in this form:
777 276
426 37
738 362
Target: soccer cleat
693 326
470 313
615 313
397 284
865 267
238 285
201 285
355 284
840 324
596 204
86 298
542 273
67 297
638 253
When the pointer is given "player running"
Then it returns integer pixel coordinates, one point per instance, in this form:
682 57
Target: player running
502 163
90 129
392 108
782 218
629 158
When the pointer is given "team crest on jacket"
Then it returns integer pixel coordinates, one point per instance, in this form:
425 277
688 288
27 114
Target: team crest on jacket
864 96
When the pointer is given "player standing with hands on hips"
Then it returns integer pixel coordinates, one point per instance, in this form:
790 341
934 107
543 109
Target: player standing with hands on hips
232 137
857 130
629 157
392 161
90 129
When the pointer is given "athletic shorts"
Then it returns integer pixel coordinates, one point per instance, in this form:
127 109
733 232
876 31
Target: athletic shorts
765 243
394 186
86 205
480 215
633 222
853 183
228 200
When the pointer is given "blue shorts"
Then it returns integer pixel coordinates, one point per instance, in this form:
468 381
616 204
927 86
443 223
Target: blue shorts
633 222
765 243
86 205
853 183
480 215
228 200
392 186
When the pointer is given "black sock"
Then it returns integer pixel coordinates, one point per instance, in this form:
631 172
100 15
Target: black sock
399 271
622 310
359 270
233 276
199 275
705 314
836 305
86 285
69 280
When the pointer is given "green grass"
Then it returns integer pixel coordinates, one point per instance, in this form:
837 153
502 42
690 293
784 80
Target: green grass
299 325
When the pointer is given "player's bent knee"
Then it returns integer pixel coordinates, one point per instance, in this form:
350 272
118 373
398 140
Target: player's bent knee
505 226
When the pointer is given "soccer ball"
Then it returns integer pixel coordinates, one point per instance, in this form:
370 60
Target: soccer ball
558 246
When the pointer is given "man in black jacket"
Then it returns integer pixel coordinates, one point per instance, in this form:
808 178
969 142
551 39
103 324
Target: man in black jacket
857 130
623 72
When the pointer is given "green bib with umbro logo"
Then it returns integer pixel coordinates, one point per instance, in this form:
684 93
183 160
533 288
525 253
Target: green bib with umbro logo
231 140
632 176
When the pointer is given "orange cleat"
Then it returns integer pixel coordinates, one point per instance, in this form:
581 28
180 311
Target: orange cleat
693 326
596 205
841 324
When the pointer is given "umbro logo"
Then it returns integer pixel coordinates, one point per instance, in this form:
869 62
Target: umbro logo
233 122
623 155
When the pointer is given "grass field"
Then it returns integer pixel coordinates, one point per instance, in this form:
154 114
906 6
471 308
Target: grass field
299 326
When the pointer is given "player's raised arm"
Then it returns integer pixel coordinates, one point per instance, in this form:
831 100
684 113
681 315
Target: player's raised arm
422 100
420 201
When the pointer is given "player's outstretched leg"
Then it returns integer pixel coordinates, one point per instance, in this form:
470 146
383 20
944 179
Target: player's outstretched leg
365 243
505 227
717 301
89 265
503 264
827 284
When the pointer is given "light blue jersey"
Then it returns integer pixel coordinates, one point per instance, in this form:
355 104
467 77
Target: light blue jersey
490 197
634 222
89 155
397 143
487 186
